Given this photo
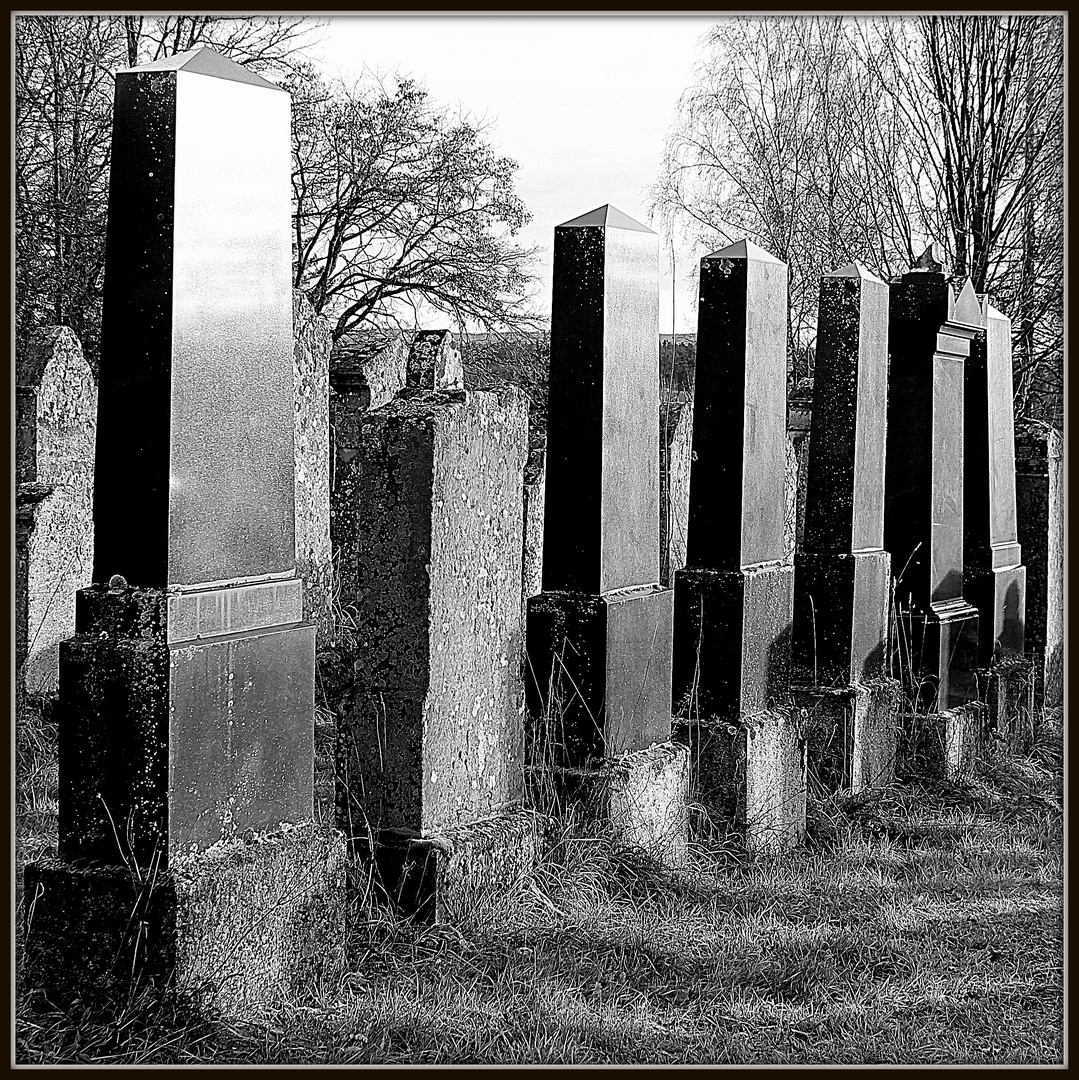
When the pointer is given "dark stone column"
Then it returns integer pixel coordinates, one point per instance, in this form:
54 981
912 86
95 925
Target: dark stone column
599 635
187 693
843 575
929 339
733 601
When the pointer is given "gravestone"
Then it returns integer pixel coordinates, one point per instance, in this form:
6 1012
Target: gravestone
434 362
842 573
733 600
599 634
535 482
1039 463
311 387
61 548
930 330
186 694
427 523
994 577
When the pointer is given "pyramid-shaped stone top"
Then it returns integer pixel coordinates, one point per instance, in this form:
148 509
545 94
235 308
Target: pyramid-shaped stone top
203 61
855 270
744 249
967 310
931 260
606 217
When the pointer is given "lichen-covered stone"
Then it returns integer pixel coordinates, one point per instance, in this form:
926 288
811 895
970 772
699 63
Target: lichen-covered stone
311 385
534 498
367 369
241 924
434 362
427 522
947 744
61 550
1008 691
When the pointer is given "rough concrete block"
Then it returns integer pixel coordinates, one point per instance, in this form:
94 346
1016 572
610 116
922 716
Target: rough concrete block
436 878
239 924
427 521
640 797
851 734
311 386
946 744
751 774
1007 690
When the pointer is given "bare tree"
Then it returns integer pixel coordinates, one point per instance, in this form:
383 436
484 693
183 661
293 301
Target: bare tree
398 204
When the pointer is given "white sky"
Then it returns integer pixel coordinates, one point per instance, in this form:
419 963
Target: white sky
582 103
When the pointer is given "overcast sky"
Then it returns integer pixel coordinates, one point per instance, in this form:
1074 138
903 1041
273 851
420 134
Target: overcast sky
582 103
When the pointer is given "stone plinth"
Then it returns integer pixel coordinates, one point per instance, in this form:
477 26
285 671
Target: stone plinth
433 362
639 800
61 551
427 523
438 878
98 930
947 744
534 498
929 338
1040 501
1008 690
28 497
311 387
851 734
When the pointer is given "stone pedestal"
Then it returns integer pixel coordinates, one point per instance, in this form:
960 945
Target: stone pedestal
1008 690
638 799
675 458
948 743
96 930
733 601
851 734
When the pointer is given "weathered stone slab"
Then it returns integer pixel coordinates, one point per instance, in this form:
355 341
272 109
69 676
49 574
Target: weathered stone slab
945 744
367 370
427 521
433 362
311 388
96 931
1040 500
61 549
599 673
535 479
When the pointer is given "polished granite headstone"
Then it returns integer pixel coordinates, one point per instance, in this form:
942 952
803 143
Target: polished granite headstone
930 331
733 600
995 579
842 574
599 634
187 693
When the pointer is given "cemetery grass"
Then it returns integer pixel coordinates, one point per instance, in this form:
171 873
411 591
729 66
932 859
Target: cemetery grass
920 924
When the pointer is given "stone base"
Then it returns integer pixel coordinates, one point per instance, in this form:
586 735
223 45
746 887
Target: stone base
1000 595
752 774
1007 691
732 635
641 798
599 680
238 924
436 878
944 648
851 734
945 744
